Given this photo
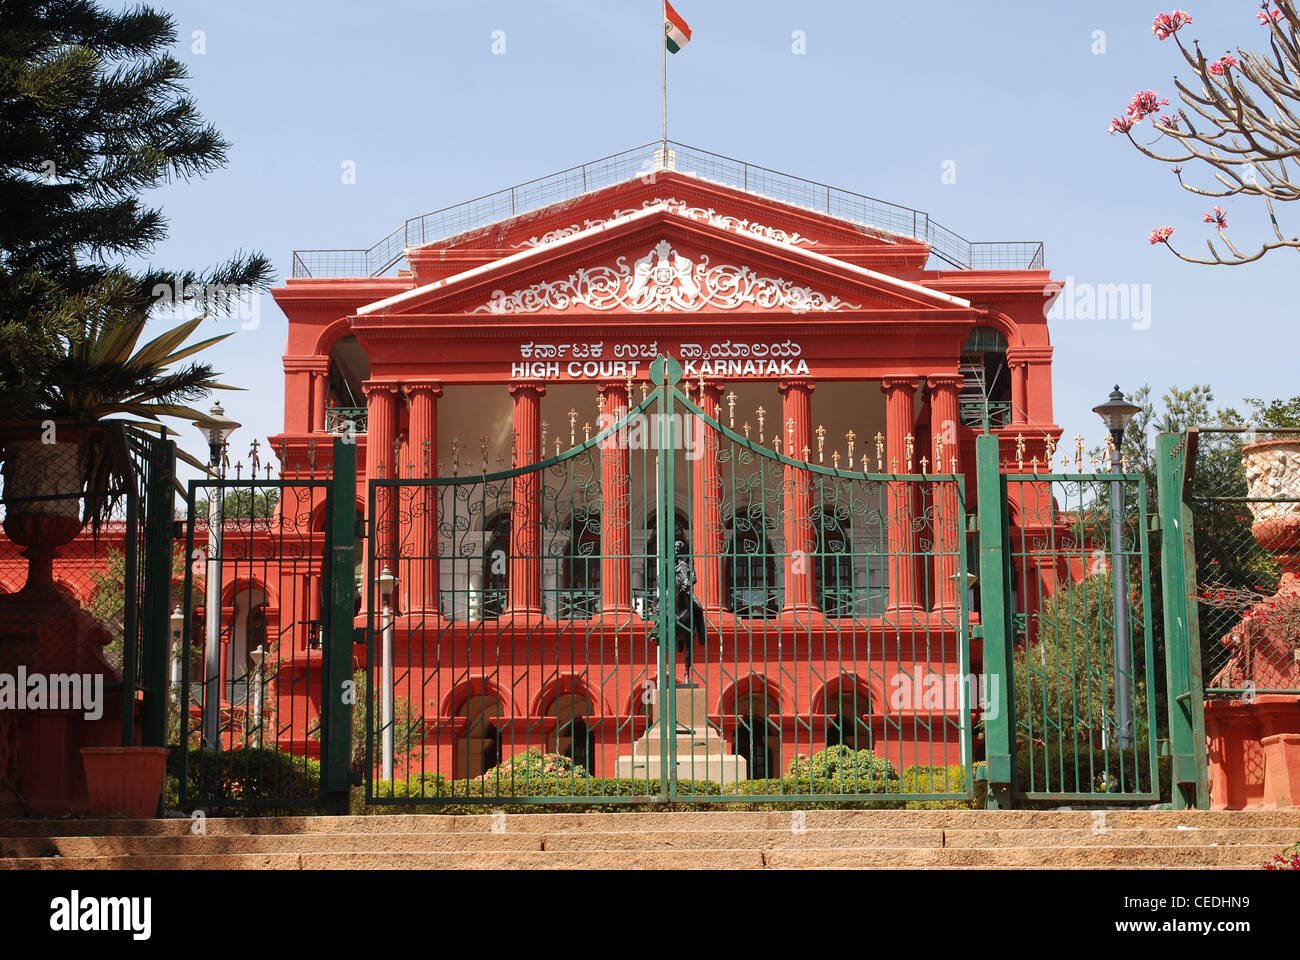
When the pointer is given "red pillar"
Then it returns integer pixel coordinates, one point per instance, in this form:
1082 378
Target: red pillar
1019 391
707 535
319 384
616 510
525 592
381 433
944 421
899 392
420 503
800 536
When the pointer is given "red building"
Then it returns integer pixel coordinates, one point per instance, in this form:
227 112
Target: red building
827 327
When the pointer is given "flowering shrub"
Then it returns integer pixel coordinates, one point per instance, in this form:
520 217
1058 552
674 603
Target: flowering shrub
533 764
1165 25
1288 859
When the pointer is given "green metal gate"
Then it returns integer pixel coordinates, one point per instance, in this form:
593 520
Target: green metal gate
749 658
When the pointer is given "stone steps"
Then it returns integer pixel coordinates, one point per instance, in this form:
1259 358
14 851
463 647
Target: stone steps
716 840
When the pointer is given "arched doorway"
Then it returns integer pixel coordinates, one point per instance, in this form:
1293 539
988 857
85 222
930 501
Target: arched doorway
757 710
479 747
573 735
249 632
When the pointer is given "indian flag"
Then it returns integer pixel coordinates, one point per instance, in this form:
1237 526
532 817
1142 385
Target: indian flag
676 32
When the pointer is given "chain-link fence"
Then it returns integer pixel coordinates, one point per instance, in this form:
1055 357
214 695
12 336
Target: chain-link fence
1244 490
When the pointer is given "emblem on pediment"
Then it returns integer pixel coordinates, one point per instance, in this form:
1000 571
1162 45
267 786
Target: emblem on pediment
664 280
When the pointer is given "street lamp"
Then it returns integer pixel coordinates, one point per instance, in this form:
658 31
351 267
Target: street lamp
258 656
387 584
1116 413
178 625
216 428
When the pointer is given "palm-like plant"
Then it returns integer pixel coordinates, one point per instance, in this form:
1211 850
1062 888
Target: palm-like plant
104 379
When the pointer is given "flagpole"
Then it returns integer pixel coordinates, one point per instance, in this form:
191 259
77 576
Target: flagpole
663 51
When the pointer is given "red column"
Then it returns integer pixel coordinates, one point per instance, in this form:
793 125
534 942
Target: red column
381 433
420 503
800 536
319 385
944 421
616 511
899 392
707 535
1019 391
525 592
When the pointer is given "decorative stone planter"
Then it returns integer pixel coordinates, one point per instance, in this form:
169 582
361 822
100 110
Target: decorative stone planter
1273 470
125 781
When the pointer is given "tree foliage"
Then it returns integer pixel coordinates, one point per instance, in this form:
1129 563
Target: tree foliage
1239 123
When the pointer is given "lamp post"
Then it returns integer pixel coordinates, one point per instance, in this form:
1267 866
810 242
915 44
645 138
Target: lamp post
177 651
387 583
258 656
1116 413
216 428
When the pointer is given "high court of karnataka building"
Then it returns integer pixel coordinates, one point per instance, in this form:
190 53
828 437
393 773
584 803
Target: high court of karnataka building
849 334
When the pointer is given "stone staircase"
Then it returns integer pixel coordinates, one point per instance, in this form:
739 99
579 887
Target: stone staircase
721 839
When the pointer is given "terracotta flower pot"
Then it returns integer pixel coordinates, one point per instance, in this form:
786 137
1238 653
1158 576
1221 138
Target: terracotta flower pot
1273 471
125 781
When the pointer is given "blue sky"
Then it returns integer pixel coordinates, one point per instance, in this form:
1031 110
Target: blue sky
1010 92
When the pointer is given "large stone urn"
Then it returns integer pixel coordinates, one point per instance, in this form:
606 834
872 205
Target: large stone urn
1254 742
43 630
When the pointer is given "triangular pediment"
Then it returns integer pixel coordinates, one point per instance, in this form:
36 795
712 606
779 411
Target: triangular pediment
662 259
691 197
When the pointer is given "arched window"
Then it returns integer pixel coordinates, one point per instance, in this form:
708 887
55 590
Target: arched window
749 567
581 572
986 379
496 566
836 595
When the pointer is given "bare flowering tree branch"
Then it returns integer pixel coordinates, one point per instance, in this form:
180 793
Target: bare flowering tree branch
1242 121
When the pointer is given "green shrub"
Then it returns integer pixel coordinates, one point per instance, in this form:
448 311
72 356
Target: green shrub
923 779
533 764
242 775
1099 772
841 762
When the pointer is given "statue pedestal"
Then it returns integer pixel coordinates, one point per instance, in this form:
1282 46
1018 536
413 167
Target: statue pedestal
701 751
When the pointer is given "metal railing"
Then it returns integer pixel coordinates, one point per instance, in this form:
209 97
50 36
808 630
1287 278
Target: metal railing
461 220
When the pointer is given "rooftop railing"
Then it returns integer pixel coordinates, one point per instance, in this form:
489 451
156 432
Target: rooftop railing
947 249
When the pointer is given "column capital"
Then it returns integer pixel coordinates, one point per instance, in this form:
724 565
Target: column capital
432 388
785 386
524 385
937 381
899 383
312 364
379 387
1018 363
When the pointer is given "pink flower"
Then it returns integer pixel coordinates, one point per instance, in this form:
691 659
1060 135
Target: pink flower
1265 18
1161 235
1170 122
1218 218
1121 125
1145 103
1165 25
1219 65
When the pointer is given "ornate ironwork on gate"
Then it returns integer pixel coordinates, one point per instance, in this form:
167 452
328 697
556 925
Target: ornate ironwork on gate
673 607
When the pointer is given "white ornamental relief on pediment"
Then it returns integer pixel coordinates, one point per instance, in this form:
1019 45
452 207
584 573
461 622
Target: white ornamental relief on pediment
664 280
680 207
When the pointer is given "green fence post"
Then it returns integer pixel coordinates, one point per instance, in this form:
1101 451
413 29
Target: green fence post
1182 642
156 628
996 617
336 708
